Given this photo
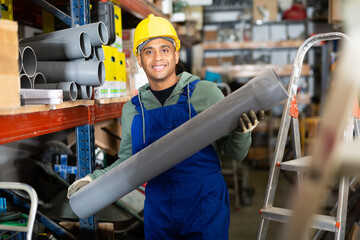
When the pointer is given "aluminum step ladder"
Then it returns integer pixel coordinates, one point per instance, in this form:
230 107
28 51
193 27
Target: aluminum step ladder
299 164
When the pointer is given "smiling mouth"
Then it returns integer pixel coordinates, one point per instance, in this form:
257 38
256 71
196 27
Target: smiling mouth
158 67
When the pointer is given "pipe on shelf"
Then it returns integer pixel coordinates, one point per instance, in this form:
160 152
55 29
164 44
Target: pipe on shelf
97 32
67 47
20 61
91 73
29 61
98 52
25 82
69 89
84 92
260 93
38 78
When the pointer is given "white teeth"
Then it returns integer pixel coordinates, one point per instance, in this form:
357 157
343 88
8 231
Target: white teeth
158 67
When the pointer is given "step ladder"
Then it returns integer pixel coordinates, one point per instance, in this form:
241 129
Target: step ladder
299 164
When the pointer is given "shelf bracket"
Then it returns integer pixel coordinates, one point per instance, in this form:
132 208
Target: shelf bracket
85 153
54 11
80 12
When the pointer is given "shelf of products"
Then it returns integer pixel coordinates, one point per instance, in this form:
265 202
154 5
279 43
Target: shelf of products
139 8
32 121
252 70
208 46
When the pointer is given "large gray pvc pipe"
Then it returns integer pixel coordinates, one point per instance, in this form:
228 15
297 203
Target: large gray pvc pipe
20 61
67 47
38 78
260 93
98 52
97 32
28 57
90 73
69 89
84 92
25 82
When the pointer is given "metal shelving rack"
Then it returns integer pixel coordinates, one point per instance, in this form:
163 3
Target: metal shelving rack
19 126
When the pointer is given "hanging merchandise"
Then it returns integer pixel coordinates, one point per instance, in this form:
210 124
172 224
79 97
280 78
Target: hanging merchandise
104 12
296 12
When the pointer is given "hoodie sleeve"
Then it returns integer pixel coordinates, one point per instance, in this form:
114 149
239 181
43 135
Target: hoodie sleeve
234 145
125 144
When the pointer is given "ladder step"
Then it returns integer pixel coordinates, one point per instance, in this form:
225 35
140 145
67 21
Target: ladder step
296 165
323 222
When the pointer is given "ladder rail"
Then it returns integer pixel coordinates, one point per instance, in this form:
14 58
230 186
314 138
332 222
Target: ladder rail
286 119
33 207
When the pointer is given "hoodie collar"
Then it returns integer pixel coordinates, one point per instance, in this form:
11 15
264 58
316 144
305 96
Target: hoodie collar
185 78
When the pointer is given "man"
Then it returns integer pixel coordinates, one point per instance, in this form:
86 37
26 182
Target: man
190 200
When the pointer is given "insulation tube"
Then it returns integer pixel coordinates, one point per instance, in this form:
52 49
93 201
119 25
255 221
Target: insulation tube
25 82
29 64
97 32
90 73
62 48
69 89
84 92
260 93
39 78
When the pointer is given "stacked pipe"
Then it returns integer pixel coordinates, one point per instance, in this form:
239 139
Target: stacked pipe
69 59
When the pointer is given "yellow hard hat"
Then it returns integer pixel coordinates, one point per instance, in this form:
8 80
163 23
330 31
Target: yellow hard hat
152 27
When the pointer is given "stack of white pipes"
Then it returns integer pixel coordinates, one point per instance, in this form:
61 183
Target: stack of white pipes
69 59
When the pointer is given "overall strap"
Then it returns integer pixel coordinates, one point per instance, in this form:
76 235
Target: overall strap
184 95
136 101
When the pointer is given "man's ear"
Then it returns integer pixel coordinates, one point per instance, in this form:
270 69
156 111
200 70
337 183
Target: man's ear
139 60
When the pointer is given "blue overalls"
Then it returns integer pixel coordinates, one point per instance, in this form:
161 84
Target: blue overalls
190 200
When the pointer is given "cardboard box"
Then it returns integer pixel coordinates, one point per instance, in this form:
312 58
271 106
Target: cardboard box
107 136
128 36
335 11
211 61
210 35
269 5
9 65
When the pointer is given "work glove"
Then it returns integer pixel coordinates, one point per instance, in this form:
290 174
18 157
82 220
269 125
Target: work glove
248 121
73 188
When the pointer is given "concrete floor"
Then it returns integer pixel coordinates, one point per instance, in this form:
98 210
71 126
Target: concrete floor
244 222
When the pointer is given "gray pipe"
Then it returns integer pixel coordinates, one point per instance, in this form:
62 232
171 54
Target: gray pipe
84 92
69 89
97 32
260 93
99 53
25 82
20 61
67 47
29 64
90 73
39 78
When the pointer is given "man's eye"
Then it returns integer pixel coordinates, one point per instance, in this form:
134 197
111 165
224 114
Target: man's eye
148 52
165 50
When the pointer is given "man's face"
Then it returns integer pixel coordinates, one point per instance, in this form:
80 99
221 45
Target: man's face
158 58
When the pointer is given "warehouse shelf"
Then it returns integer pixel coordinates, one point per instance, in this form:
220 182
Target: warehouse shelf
31 121
139 8
252 70
251 45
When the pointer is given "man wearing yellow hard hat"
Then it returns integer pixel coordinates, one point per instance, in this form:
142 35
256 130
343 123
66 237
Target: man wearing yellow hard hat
190 200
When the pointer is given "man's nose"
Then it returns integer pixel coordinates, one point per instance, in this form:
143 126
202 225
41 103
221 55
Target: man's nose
158 55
